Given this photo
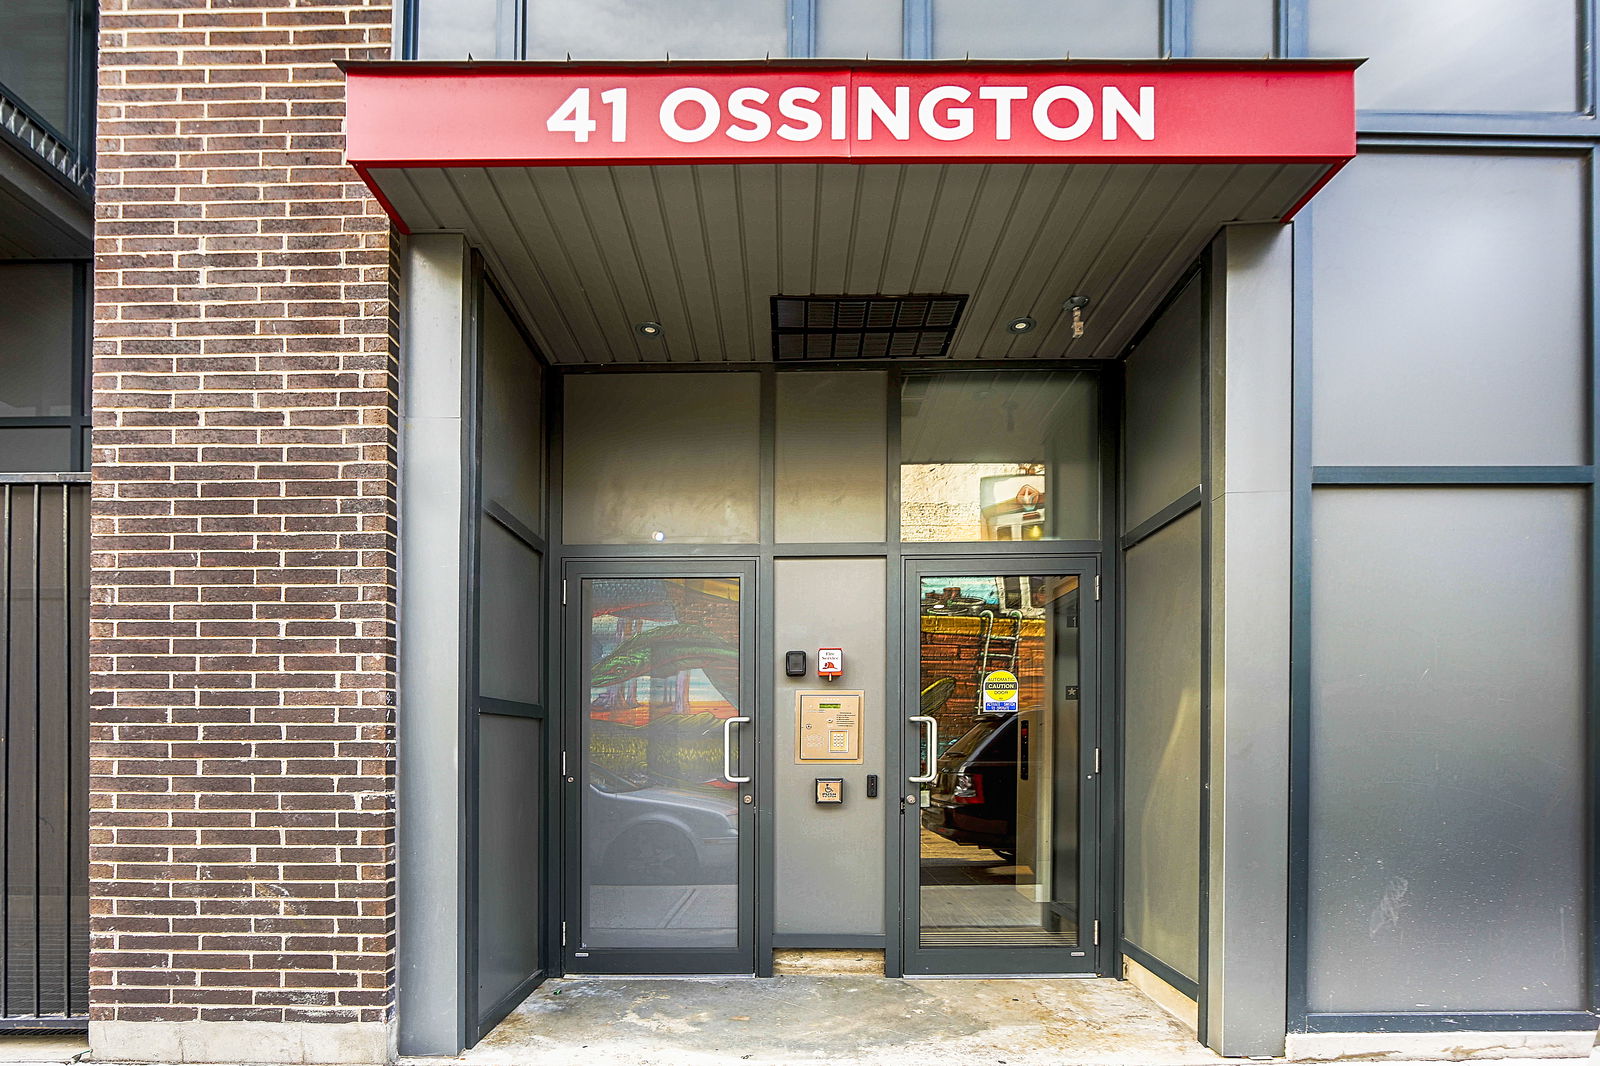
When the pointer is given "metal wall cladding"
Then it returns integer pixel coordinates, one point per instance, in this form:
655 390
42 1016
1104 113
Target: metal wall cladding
1455 55
44 908
1162 413
1449 310
1449 650
1162 706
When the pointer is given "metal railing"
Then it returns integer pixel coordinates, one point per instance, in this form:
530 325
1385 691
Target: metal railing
44 766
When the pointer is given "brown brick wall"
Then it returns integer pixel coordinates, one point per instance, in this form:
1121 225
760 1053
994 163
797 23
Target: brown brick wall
243 627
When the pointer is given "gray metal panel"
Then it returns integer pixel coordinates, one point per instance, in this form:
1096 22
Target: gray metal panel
1046 29
36 338
589 252
510 910
1444 334
511 419
432 457
1229 28
38 217
1455 55
1161 401
510 633
1447 777
674 453
1161 851
1250 403
830 860
831 455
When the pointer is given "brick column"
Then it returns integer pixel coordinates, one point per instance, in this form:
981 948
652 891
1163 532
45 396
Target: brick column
243 627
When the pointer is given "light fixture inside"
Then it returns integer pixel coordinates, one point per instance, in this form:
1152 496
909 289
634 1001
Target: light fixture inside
649 329
1020 325
658 536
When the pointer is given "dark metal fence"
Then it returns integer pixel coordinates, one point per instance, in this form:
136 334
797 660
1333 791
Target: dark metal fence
44 889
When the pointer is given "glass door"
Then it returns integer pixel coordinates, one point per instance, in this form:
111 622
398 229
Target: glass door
658 769
1002 791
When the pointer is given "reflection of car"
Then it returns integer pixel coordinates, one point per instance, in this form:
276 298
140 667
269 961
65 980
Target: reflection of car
973 797
646 834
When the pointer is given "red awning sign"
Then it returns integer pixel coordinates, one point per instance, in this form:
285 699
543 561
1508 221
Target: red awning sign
525 114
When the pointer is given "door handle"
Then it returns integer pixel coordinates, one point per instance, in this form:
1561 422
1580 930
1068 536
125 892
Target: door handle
931 768
727 751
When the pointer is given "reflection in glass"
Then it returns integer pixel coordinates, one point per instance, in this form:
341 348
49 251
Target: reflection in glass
37 309
660 823
999 457
36 42
1045 29
999 840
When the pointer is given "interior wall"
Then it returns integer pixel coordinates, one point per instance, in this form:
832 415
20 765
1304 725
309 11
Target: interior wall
830 859
1162 652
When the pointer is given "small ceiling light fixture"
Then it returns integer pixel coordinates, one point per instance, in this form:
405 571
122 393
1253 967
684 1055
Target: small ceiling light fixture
1076 305
649 329
657 536
1021 325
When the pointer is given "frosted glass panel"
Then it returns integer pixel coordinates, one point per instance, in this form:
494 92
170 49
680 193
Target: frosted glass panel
1162 400
36 348
832 454
1045 29
1450 311
1230 28
1162 876
858 29
1454 55
1448 657
656 29
999 457
455 29
661 458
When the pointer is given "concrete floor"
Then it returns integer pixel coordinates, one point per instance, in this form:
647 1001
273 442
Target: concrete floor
20 1048
837 1019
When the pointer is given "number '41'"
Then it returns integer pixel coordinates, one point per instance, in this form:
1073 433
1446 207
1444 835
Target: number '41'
573 115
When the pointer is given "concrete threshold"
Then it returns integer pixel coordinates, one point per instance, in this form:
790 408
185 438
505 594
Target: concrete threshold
859 1019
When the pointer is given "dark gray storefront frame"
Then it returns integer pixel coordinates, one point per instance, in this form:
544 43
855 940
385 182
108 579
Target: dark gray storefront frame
767 550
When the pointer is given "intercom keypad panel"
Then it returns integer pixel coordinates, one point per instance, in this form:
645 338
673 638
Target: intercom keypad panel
828 726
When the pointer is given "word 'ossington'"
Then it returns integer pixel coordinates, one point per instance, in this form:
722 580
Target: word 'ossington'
805 113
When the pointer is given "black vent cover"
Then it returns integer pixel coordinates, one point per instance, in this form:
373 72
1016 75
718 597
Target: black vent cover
864 327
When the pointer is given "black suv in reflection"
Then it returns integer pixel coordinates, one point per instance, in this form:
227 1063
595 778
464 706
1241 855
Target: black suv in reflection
973 796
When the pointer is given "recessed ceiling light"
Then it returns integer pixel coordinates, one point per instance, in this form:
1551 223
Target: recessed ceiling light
1020 325
657 536
649 329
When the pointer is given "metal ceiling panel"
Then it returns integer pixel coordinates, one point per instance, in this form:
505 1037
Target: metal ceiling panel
588 252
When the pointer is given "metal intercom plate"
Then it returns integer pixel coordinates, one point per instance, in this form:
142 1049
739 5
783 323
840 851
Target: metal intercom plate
827 726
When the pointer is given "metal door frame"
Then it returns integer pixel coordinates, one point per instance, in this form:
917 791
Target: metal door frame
1093 801
754 756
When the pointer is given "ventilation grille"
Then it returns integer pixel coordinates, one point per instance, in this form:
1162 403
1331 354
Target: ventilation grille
864 327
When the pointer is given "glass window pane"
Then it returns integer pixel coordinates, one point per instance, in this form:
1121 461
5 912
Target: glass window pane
664 458
509 633
513 421
1000 457
656 29
36 346
999 843
660 825
1045 29
1447 783
35 56
832 457
1229 28
860 29
35 451
1450 318
1454 55
456 29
